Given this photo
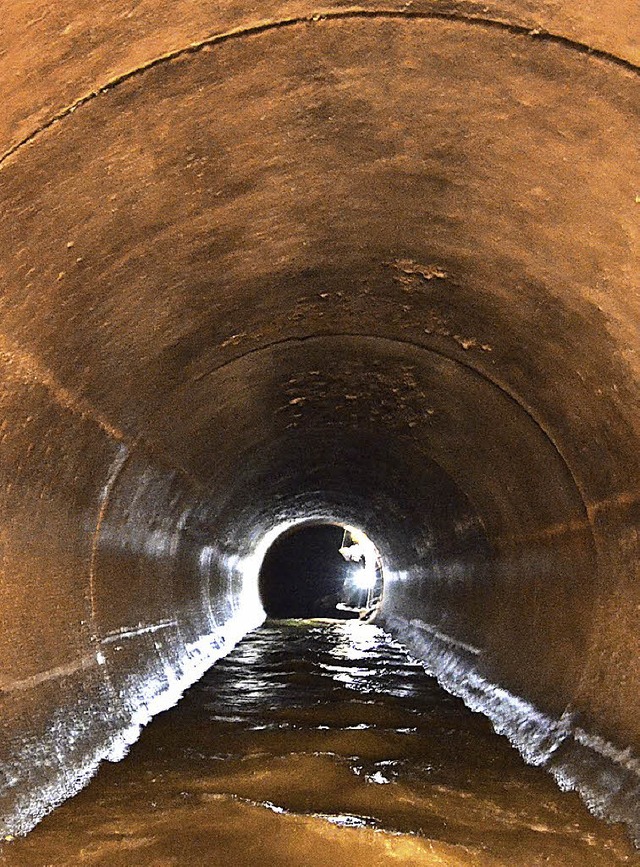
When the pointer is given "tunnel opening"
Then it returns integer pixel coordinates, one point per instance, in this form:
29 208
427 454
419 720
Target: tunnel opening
326 570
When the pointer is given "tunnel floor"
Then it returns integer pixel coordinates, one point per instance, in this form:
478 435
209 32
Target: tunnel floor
315 743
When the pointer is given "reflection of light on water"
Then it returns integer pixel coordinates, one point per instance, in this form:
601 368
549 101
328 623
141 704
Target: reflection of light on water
339 670
356 640
378 777
344 821
273 807
358 683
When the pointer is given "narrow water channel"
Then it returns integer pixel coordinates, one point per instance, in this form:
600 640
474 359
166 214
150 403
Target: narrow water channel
319 744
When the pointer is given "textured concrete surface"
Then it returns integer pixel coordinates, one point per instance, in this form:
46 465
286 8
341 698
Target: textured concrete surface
375 264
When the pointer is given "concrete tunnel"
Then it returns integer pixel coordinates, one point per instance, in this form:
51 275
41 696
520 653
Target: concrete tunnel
372 264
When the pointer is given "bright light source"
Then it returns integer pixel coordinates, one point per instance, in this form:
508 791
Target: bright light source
365 579
361 550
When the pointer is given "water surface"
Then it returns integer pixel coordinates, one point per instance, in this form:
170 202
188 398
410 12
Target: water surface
318 744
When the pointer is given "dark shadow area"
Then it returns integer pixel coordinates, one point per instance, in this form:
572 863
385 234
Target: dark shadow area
304 573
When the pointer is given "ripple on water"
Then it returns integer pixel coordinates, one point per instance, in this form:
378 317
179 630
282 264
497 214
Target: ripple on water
315 744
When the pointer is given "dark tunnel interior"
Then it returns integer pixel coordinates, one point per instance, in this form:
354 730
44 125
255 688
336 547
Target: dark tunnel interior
267 273
320 570
303 573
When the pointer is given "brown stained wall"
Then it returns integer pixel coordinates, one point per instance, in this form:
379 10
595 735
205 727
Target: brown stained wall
379 267
89 45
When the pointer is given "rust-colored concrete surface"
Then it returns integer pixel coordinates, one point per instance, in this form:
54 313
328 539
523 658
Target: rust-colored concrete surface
375 264
87 46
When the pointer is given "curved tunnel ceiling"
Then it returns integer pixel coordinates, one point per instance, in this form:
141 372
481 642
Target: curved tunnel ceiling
369 266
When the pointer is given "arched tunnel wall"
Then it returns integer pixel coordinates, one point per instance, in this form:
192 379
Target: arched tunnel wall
375 265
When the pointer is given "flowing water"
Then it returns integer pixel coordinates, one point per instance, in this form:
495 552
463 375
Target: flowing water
320 744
